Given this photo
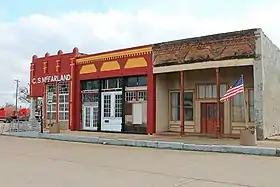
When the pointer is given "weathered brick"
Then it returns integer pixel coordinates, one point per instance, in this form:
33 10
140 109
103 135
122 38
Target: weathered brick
239 44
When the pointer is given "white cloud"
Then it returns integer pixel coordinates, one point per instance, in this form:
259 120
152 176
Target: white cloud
94 32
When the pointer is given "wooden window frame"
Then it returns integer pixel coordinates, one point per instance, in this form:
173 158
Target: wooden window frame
170 106
247 96
253 104
207 84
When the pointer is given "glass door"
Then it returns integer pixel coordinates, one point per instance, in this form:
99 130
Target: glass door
90 117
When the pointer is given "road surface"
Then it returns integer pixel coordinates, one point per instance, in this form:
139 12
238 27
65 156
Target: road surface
45 163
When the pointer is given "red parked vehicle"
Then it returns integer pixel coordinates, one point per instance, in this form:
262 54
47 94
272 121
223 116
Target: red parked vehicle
7 114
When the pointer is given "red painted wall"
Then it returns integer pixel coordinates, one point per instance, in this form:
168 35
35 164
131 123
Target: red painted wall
36 69
117 73
37 90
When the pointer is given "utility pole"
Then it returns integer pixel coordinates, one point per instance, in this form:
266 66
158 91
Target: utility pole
17 84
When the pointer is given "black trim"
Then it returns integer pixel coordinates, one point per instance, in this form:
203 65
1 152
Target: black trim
99 106
124 81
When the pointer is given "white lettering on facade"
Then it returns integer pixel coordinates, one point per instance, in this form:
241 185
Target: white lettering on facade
53 78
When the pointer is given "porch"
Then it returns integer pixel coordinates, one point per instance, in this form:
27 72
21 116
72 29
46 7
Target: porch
187 101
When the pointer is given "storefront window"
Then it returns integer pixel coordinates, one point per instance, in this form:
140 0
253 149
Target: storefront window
251 105
63 101
238 109
238 112
111 83
136 81
210 91
135 106
90 85
132 81
51 107
175 106
142 81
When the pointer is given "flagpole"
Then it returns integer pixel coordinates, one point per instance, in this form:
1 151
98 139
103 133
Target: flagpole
245 103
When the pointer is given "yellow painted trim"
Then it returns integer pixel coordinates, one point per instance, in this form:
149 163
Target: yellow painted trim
115 55
109 66
136 63
45 66
57 65
88 69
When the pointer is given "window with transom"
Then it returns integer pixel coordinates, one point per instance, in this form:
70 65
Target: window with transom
63 101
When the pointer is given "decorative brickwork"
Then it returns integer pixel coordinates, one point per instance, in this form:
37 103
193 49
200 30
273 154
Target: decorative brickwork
233 45
57 67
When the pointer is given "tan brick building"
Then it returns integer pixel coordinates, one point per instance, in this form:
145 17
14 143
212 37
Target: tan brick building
203 68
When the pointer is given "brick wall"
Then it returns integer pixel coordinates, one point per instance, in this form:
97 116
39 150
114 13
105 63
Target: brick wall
233 45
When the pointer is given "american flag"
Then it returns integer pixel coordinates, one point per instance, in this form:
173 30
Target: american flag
236 88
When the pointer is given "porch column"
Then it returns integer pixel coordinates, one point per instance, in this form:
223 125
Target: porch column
218 128
57 104
45 104
71 96
151 103
182 126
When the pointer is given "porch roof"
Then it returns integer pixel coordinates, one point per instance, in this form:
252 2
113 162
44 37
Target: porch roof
204 65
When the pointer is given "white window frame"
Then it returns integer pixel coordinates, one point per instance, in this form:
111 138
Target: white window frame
51 108
133 94
63 102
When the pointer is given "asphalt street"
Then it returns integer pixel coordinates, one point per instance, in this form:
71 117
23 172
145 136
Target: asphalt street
44 163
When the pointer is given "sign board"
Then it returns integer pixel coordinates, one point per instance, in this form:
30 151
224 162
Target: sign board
53 78
49 97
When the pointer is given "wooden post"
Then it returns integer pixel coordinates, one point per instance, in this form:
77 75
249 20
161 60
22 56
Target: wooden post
72 96
182 126
218 127
245 104
57 104
45 105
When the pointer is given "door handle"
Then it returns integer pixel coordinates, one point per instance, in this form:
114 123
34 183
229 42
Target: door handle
106 121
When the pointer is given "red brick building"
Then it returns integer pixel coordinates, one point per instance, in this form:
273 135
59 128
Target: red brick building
98 92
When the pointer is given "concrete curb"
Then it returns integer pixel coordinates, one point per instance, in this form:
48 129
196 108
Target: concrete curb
261 151
272 139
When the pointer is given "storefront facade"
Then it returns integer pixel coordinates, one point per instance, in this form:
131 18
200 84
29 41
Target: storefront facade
166 87
113 91
202 70
50 80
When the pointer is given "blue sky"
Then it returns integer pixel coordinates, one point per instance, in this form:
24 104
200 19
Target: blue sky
35 27
14 9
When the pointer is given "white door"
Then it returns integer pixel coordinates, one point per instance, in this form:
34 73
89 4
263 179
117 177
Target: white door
90 117
111 111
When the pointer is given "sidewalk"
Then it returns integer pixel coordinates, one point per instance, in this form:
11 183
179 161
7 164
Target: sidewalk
274 138
171 137
168 141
